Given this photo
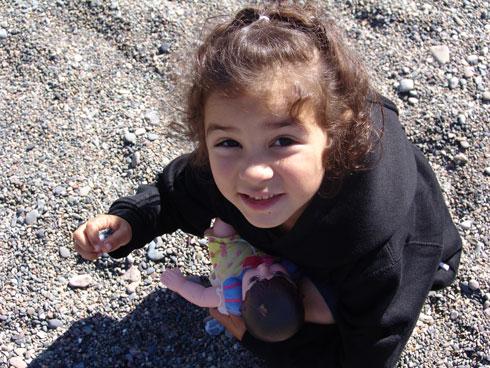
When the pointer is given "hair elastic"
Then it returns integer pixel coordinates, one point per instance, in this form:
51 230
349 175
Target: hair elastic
264 17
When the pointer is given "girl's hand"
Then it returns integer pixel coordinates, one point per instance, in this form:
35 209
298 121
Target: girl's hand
233 324
173 279
86 238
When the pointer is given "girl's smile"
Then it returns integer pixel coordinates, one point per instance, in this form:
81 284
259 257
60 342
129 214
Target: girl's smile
266 163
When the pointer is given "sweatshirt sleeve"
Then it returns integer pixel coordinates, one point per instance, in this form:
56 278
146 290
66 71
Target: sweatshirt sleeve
377 311
181 198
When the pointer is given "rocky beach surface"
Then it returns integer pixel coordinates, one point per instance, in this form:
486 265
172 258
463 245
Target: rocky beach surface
89 97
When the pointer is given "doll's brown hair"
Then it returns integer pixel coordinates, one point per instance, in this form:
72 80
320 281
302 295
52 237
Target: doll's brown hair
235 56
273 309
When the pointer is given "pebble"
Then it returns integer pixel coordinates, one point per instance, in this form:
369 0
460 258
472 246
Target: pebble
466 225
152 117
454 315
80 281
84 190
154 254
59 190
17 362
135 159
164 48
130 138
405 85
54 323
31 217
413 101
152 137
486 96
64 252
114 5
472 59
3 34
486 171
132 274
464 144
140 131
131 288
473 284
460 159
453 83
440 53
468 72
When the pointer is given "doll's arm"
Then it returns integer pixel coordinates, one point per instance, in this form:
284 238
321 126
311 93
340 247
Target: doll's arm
194 293
316 309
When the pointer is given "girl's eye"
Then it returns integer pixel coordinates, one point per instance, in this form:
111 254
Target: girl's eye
284 142
228 143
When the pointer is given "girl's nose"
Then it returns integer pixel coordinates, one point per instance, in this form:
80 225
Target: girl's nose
256 172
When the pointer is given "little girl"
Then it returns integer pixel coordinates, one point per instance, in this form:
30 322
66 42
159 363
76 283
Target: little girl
269 294
307 162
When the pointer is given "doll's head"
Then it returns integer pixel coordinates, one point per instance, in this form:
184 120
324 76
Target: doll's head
296 52
272 307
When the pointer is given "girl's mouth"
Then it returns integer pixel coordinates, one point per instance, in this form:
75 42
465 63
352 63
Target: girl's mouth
260 203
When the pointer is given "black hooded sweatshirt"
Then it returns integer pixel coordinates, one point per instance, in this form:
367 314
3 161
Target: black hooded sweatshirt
374 250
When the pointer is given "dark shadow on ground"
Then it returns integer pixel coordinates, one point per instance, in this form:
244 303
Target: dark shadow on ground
163 331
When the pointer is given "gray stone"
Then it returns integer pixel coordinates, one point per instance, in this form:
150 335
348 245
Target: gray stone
164 48
486 171
460 159
405 85
466 225
152 137
64 252
131 288
59 190
17 362
486 96
413 101
132 274
31 217
140 131
80 281
473 284
3 33
155 255
453 83
152 117
468 72
472 59
54 323
440 53
464 144
135 159
454 315
130 138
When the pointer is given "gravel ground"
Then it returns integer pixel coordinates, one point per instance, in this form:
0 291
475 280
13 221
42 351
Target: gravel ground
88 92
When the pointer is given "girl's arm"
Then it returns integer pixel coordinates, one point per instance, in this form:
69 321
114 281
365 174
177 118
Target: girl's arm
183 197
194 293
316 309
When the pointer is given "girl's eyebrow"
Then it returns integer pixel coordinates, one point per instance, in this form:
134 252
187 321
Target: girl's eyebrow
213 126
269 125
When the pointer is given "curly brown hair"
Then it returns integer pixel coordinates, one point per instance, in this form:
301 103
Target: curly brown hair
235 55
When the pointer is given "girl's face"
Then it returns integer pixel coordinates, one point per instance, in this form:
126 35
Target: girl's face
263 161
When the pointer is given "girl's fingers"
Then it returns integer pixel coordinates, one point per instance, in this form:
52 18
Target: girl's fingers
121 235
86 254
94 226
